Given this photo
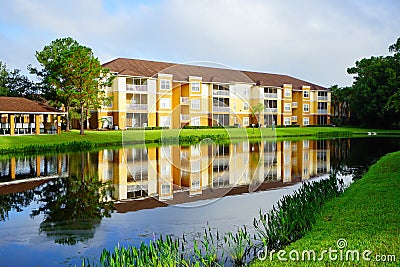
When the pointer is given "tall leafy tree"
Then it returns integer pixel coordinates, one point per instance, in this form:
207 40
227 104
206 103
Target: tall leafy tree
71 76
257 110
375 91
87 80
3 79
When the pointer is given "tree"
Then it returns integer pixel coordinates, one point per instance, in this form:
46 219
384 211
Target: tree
72 76
3 79
257 110
375 93
87 80
341 103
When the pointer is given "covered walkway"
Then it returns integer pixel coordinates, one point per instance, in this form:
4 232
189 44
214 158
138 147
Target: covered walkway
19 115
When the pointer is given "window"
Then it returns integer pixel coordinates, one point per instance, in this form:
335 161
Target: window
165 84
246 121
165 103
306 143
246 91
245 106
286 121
305 156
195 86
306 94
195 104
195 121
306 107
306 121
287 92
286 144
287 106
165 121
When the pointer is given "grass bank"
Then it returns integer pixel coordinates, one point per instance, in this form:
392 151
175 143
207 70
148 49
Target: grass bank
69 141
366 216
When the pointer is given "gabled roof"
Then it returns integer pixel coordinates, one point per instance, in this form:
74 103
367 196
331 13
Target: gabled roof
181 72
23 105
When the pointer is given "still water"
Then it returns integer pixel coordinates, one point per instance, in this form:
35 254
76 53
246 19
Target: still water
58 209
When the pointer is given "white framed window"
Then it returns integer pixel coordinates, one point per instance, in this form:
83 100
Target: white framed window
246 121
286 121
288 106
195 86
286 159
165 121
306 108
165 189
306 121
287 92
165 84
305 171
246 106
306 94
165 103
195 121
246 91
195 104
194 152
306 144
286 144
305 156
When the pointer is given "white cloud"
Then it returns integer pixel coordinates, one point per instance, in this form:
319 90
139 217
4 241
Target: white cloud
310 39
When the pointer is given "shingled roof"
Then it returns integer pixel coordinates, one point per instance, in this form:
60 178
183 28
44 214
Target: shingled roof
181 72
23 105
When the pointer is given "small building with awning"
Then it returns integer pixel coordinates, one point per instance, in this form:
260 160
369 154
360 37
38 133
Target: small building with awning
19 115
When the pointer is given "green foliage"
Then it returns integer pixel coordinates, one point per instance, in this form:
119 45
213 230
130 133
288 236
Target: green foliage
294 215
72 76
375 94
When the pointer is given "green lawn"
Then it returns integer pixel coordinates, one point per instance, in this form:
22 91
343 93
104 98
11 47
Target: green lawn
367 216
13 144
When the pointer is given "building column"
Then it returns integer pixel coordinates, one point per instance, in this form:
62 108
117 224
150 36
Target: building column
38 166
12 124
58 124
13 167
37 124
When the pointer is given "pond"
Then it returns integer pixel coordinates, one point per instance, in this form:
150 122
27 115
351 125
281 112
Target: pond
58 209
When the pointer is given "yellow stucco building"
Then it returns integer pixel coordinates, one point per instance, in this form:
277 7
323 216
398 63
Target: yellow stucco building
160 94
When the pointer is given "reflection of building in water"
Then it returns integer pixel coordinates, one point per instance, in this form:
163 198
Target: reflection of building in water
163 171
25 167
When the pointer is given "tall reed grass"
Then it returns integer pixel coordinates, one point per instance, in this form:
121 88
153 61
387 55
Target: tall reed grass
288 221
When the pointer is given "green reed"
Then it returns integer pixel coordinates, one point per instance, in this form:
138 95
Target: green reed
288 221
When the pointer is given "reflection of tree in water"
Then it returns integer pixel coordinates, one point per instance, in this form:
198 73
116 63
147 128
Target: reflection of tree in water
14 201
73 208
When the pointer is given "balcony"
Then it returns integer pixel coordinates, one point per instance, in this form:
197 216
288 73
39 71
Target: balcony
322 98
271 110
136 107
220 109
185 117
294 104
270 95
136 87
221 92
322 111
184 100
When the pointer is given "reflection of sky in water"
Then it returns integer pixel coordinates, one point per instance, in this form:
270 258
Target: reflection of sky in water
24 246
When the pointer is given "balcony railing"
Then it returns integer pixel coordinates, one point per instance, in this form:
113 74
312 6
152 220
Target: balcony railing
322 111
185 117
136 107
323 98
184 100
220 92
220 109
294 104
136 87
271 110
270 95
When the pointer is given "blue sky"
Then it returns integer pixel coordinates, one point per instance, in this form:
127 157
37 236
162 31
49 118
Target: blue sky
309 39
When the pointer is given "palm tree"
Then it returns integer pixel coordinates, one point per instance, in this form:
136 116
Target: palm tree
258 110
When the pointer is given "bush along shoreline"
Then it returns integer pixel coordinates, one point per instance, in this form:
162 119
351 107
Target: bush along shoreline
286 222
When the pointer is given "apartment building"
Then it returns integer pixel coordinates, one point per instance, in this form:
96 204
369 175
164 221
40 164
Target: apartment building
149 93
